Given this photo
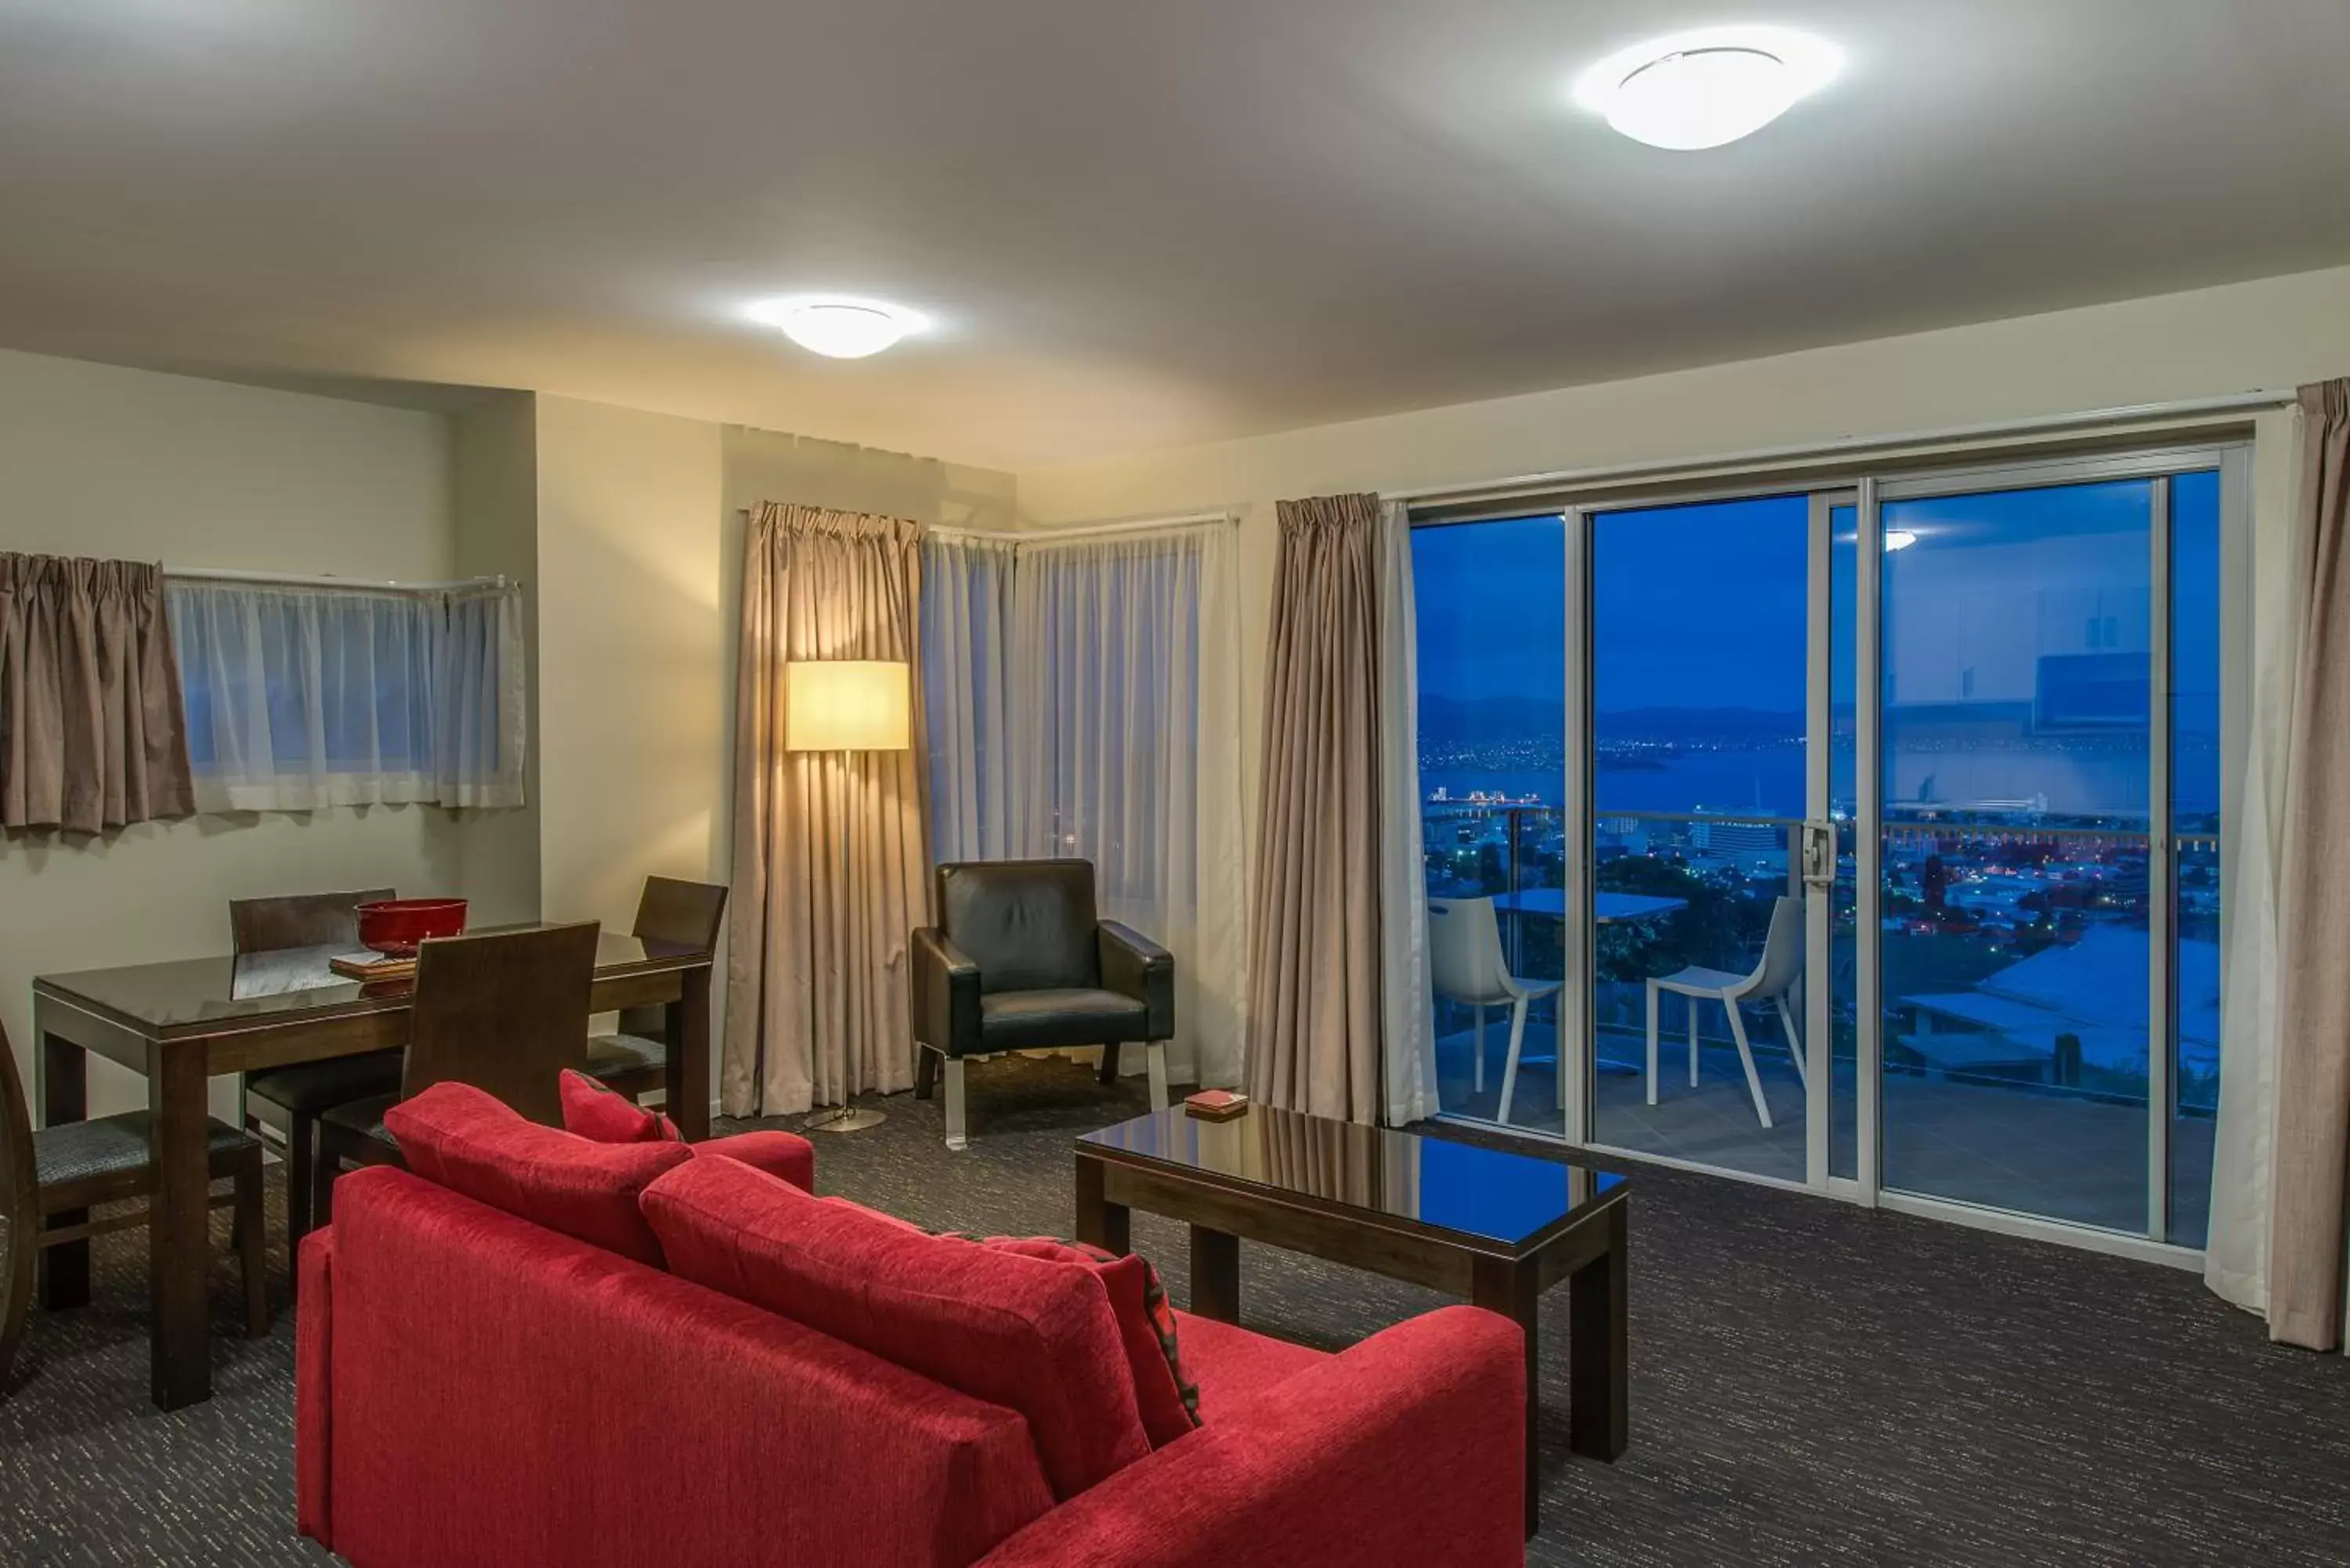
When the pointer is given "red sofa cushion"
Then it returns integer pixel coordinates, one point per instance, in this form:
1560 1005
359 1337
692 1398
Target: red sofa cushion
471 1142
1168 1400
500 1396
601 1113
1035 1338
784 1156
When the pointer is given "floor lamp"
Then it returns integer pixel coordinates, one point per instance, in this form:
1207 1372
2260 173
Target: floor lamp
848 705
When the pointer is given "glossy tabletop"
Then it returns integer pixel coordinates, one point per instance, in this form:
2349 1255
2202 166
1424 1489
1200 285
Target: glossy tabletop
1484 1196
198 996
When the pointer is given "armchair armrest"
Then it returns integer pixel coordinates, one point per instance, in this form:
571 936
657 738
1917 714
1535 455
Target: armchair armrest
1408 1450
1133 965
945 1000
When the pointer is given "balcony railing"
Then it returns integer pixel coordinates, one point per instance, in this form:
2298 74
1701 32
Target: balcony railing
1965 907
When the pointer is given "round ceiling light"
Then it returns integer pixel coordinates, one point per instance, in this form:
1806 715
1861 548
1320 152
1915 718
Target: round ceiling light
839 328
1696 90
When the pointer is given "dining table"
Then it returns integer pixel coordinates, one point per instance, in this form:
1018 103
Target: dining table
181 1024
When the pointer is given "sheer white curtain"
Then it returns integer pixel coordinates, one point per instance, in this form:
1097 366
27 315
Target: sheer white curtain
966 675
1126 717
301 699
1084 699
1407 1002
480 728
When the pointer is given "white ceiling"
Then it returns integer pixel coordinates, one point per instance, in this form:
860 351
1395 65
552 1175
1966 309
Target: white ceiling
1136 224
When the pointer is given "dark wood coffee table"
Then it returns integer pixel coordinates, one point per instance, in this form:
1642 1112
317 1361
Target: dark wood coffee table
1496 1227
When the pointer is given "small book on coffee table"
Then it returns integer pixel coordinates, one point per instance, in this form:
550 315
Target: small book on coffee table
1217 1104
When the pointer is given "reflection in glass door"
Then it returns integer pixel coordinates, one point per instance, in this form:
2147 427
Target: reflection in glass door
2046 956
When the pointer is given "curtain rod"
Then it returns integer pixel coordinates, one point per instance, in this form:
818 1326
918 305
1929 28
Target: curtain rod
2132 413
1047 535
357 585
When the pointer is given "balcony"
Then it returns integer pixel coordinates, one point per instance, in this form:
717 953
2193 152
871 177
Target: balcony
2015 982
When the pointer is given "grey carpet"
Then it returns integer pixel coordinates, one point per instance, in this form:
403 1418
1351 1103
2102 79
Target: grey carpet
1812 1383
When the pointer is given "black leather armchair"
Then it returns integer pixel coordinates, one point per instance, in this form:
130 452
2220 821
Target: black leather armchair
1020 961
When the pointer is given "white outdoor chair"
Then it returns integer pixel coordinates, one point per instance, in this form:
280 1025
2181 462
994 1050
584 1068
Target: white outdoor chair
1774 978
1464 951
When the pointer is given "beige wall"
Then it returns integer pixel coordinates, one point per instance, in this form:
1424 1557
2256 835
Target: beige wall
97 461
630 701
495 478
2276 333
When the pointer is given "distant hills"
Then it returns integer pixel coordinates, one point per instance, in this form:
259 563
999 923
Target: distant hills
1469 721
1734 724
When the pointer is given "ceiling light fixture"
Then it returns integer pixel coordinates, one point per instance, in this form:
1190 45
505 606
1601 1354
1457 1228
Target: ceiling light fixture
1695 91
837 327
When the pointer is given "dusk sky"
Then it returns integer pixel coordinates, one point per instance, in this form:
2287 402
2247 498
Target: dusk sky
1704 605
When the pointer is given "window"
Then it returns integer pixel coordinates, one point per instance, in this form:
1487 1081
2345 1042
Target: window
299 699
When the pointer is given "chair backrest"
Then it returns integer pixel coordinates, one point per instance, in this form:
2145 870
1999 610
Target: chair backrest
505 1012
674 914
1030 925
1464 951
1783 952
298 920
689 914
20 1209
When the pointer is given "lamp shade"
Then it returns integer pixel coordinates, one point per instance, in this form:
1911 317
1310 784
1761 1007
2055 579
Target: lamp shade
848 705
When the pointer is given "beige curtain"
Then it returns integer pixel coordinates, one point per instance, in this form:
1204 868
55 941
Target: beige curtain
2306 1220
829 859
92 735
1313 974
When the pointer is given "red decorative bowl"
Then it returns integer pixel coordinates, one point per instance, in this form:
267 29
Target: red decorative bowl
393 927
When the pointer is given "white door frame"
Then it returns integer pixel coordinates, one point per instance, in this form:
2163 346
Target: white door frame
1577 1059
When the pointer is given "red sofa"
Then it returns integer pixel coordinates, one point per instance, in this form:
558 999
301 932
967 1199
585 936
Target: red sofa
476 1388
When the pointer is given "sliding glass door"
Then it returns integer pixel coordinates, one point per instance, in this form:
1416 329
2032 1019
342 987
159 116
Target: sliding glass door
1493 716
2016 949
1704 741
1867 837
2047 797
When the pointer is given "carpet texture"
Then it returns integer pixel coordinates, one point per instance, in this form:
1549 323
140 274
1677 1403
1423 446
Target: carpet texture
1811 1382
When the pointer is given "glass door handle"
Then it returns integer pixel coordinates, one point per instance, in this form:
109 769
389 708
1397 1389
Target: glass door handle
1819 855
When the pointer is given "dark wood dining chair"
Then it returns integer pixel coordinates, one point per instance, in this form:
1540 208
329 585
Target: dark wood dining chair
635 1061
505 1012
289 1100
78 1166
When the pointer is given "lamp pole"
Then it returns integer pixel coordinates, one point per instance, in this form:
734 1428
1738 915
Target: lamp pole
837 707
